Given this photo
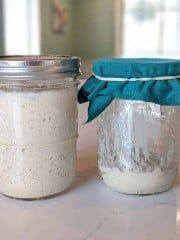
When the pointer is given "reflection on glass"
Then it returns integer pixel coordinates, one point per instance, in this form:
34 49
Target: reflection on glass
178 223
178 216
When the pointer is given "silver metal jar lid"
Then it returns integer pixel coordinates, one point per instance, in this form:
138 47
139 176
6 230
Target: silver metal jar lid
24 66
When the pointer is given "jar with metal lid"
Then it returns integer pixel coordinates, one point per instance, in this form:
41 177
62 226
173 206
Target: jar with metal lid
38 124
136 102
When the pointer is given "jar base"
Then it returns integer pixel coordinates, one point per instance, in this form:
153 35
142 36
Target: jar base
39 198
30 196
138 183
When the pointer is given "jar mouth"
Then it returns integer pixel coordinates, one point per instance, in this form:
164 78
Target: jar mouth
24 66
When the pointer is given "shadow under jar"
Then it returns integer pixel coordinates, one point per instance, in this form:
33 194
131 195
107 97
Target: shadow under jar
38 124
137 146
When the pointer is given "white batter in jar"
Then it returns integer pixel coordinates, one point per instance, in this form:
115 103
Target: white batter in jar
38 125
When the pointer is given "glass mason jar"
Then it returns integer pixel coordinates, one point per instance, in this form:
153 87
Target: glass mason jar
138 146
38 125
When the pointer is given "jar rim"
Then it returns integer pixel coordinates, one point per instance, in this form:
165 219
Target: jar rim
28 65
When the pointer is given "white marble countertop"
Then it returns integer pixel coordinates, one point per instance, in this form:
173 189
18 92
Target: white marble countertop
91 211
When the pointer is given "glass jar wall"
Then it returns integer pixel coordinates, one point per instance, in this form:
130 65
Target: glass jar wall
137 146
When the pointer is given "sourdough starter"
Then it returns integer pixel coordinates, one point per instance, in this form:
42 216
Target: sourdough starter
38 131
138 183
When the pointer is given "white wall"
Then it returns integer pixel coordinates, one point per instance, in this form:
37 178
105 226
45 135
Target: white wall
21 26
1 29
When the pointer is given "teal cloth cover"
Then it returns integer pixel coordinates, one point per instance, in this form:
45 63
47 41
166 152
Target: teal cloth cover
100 93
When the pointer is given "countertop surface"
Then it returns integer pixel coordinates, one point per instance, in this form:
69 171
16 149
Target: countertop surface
89 210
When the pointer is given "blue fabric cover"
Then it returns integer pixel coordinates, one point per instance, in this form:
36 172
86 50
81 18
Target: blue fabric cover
101 93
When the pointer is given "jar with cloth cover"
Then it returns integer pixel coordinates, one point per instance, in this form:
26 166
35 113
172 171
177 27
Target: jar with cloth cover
136 104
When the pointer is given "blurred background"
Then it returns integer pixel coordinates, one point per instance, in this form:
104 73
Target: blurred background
90 29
